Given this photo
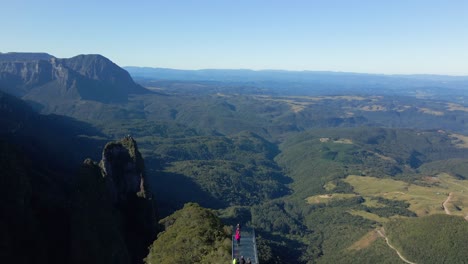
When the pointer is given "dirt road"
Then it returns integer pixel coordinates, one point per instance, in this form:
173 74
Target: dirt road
444 204
392 247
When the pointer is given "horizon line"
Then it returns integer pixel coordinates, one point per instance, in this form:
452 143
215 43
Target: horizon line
300 71
454 75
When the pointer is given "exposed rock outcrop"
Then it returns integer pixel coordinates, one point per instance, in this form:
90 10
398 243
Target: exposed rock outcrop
51 214
113 218
123 165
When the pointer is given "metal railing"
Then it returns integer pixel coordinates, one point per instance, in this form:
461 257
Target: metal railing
235 254
255 245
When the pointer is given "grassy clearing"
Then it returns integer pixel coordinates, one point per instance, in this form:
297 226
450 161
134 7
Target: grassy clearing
423 200
430 111
456 107
299 103
460 141
374 108
326 198
365 241
319 98
373 203
296 106
338 141
329 186
369 216
343 141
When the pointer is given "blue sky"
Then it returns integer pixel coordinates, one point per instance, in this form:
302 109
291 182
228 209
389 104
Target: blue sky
407 36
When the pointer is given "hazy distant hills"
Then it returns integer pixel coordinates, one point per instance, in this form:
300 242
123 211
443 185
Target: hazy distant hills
43 78
244 75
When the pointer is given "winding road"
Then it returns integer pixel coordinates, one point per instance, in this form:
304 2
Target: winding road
444 204
447 211
392 247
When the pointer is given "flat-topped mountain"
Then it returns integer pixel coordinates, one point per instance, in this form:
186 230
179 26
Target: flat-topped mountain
45 79
24 56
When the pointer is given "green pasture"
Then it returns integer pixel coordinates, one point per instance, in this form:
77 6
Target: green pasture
423 200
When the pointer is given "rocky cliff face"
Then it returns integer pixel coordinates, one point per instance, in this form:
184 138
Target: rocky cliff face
123 165
39 77
113 217
102 215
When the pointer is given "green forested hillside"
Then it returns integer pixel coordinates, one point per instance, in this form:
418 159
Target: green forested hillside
191 235
314 158
191 163
431 239
216 171
319 160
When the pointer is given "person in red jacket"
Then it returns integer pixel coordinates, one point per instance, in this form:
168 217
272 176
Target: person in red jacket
238 234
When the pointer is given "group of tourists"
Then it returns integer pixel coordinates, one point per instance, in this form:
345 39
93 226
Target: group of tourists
241 261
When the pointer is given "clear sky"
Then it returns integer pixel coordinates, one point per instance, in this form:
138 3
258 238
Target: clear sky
374 36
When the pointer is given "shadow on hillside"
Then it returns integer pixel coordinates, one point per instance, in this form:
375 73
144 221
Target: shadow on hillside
284 248
62 141
173 190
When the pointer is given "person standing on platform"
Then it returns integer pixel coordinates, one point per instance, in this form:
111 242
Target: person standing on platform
238 235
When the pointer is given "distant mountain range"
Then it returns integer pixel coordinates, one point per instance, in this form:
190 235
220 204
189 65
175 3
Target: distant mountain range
244 75
42 77
303 83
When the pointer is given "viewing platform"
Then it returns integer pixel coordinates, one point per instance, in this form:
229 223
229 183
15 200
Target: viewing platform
247 246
